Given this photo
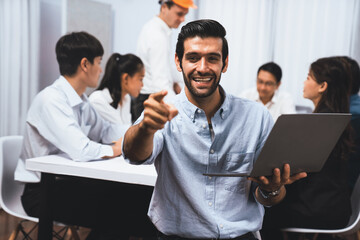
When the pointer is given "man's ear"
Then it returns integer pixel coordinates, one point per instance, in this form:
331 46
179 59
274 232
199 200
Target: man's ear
226 64
278 85
84 63
164 7
177 62
323 87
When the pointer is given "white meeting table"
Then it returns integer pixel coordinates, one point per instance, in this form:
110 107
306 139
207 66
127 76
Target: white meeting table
116 169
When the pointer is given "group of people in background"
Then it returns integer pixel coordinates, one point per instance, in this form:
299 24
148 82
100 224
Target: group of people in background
203 129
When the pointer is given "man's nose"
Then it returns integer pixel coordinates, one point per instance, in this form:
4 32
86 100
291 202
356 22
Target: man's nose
202 65
262 86
182 18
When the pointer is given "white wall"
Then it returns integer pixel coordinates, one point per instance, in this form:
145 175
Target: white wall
93 17
50 32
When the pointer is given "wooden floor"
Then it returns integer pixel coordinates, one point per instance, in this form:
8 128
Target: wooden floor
8 223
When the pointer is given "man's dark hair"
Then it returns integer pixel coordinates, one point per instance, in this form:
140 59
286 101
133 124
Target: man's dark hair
169 4
73 47
272 68
202 28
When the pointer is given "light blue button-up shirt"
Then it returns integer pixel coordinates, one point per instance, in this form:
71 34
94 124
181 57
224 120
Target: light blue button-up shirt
185 202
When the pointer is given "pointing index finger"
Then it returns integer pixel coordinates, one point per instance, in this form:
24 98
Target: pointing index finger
159 96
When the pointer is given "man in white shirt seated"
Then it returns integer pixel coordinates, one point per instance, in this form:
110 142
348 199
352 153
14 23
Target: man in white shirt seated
266 92
62 121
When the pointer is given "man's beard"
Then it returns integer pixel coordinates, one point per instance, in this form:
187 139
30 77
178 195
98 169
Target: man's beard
193 91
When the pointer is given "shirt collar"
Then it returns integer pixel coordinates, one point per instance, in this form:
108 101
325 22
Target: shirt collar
191 110
72 96
163 25
274 99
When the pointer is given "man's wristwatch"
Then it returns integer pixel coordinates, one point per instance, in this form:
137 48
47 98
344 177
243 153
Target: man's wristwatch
266 194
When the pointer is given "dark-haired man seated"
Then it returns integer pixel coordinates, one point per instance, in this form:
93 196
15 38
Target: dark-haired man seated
62 121
267 91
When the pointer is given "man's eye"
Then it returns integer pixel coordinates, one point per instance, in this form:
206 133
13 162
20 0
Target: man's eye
192 58
213 59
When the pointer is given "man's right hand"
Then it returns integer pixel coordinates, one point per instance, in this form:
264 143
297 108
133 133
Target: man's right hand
138 141
157 112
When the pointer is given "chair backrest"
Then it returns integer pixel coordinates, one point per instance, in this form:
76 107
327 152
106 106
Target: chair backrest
11 190
354 222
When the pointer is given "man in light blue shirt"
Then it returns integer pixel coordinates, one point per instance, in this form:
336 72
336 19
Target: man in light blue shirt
205 130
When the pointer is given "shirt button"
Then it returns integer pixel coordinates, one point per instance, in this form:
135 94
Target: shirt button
210 203
212 151
221 226
199 111
210 177
204 126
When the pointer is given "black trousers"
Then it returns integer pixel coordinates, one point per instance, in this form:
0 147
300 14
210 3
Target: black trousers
113 208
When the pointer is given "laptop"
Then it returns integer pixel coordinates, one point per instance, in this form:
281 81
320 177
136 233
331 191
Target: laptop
305 141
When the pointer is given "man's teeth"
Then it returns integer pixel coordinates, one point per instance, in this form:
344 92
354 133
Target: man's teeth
202 79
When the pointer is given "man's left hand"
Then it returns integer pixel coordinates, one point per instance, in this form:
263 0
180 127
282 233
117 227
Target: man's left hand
275 184
278 179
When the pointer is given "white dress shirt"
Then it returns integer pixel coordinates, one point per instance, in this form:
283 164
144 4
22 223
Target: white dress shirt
101 100
59 121
154 49
281 103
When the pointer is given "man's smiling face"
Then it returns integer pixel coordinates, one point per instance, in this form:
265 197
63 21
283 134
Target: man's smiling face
202 65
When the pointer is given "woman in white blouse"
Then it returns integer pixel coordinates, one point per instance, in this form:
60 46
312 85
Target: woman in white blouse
122 79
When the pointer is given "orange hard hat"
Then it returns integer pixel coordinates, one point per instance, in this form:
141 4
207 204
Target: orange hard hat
182 3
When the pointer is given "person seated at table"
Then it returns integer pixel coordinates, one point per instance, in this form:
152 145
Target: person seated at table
267 91
321 200
62 121
122 79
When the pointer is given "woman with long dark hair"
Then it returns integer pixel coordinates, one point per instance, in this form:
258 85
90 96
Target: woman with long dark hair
322 199
122 79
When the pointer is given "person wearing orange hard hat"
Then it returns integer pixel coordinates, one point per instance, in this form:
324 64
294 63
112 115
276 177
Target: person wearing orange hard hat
154 49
